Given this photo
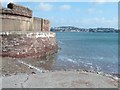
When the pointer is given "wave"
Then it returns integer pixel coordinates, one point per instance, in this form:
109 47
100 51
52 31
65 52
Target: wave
60 42
93 58
68 59
88 63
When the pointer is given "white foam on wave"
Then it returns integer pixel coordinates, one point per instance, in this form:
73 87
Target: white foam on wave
81 61
89 64
60 42
98 68
89 58
68 59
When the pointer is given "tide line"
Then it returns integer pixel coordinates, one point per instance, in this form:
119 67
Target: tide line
40 70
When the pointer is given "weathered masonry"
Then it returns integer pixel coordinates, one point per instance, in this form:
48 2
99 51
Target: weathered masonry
25 36
18 18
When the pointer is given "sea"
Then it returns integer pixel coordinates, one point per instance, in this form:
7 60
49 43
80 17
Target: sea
87 51
90 51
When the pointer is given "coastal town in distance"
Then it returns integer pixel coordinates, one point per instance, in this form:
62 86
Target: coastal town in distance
76 29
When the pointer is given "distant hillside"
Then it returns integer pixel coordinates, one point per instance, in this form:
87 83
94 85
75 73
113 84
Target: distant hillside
76 29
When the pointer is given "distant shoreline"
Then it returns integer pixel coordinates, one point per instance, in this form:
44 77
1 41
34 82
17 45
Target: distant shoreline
76 29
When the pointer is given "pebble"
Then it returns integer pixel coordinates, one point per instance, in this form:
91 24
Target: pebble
33 73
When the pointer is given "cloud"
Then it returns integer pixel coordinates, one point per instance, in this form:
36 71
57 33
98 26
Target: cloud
62 0
65 7
93 11
62 20
45 7
101 22
103 1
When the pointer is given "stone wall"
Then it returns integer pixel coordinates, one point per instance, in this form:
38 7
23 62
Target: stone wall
0 17
37 24
20 22
45 25
23 36
20 10
16 23
25 45
40 24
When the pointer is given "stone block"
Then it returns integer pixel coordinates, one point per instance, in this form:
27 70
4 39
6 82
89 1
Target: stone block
20 10
37 24
45 25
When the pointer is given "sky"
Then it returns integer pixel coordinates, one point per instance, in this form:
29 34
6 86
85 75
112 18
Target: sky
79 14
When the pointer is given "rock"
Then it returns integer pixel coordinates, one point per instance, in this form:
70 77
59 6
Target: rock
33 73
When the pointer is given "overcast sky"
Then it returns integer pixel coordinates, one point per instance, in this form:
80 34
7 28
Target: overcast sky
79 14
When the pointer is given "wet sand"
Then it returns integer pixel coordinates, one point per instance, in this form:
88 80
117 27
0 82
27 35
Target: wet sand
16 65
59 79
21 74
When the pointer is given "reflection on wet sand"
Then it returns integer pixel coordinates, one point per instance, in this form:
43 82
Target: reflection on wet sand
26 65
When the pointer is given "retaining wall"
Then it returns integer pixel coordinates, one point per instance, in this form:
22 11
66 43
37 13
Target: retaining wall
25 36
24 45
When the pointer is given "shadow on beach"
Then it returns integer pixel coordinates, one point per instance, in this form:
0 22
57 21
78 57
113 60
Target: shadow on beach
26 65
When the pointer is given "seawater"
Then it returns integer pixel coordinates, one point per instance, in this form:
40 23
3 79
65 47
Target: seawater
85 50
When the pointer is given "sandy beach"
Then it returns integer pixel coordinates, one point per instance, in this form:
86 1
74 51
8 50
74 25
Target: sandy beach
21 75
59 79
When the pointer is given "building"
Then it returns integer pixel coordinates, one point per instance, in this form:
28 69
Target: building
19 18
